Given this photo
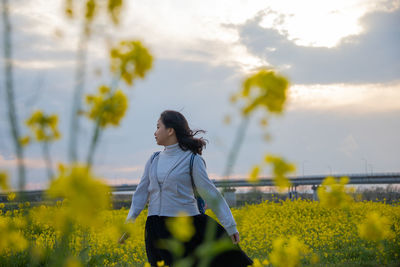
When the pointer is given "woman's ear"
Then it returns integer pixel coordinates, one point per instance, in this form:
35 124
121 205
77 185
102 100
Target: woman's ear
171 131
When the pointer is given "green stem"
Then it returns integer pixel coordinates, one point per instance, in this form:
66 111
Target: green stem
93 143
80 73
237 143
10 99
46 155
97 128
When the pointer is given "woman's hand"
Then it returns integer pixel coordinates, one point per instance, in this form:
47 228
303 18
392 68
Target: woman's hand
235 238
123 238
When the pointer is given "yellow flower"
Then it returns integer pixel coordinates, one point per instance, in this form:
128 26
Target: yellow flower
265 262
314 259
257 263
334 194
69 8
4 181
11 237
90 9
72 262
271 94
106 107
280 169
254 174
24 141
11 196
287 253
85 197
114 9
375 227
43 126
2 205
181 227
131 60
160 263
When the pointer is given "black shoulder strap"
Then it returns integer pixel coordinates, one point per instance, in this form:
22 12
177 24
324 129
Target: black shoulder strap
191 172
191 164
154 155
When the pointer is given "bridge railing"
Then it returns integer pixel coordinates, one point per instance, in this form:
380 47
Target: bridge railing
312 180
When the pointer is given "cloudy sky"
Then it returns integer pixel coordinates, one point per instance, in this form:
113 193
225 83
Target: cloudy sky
342 58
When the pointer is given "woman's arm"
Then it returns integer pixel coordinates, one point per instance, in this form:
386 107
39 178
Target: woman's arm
213 197
140 197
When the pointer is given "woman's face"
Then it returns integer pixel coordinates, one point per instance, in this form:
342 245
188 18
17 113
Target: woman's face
162 134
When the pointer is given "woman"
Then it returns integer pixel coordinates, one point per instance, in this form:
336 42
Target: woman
167 185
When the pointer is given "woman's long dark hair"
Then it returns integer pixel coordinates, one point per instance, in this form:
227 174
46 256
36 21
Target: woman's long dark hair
187 141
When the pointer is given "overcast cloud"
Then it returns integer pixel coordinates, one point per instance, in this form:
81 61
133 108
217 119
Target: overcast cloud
343 106
370 57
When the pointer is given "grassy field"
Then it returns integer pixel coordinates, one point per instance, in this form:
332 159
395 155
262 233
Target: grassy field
281 234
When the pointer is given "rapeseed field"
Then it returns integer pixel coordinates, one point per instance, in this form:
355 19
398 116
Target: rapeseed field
286 233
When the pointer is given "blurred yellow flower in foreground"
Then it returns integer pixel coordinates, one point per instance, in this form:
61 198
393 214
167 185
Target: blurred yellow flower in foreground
280 169
254 174
84 196
257 263
131 60
271 91
11 196
287 253
4 181
24 141
333 193
375 227
181 227
44 127
12 238
106 107
73 262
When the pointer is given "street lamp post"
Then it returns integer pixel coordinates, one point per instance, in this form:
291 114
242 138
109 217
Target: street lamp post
330 170
372 169
304 161
366 165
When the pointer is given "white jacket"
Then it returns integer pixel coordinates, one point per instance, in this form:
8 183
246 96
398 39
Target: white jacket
175 194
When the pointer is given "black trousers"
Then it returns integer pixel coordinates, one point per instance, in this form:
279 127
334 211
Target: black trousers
156 230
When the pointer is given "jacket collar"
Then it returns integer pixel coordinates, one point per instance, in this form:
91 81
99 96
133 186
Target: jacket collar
155 164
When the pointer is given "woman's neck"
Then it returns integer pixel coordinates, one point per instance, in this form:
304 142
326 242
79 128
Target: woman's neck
172 149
